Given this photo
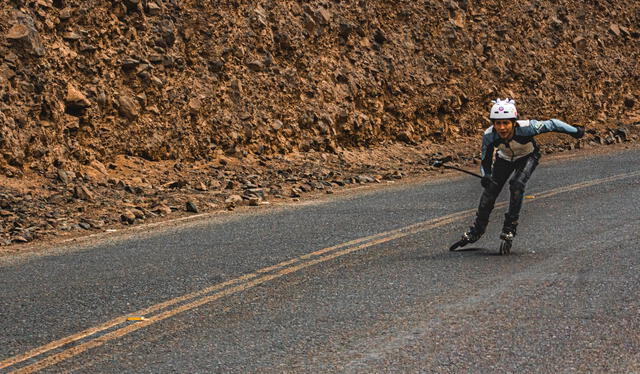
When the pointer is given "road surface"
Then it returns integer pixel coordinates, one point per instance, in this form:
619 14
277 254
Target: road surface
361 283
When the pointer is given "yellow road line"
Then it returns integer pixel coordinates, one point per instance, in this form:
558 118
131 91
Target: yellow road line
58 357
117 321
283 268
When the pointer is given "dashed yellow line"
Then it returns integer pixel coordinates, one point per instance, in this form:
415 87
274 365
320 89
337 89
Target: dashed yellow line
182 304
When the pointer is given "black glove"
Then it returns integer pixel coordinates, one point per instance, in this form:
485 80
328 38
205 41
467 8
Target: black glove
580 132
486 181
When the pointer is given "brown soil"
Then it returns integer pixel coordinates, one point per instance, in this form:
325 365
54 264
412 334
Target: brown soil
120 112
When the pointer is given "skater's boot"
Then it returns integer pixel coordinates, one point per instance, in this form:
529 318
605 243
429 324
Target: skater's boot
507 240
509 227
471 236
507 235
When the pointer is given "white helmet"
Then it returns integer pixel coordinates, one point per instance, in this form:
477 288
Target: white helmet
504 109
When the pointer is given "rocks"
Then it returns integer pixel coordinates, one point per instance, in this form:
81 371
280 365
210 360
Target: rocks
629 102
323 16
82 193
64 176
346 29
176 184
295 192
255 65
75 101
128 107
162 209
262 94
395 175
580 43
380 37
66 14
6 74
18 32
365 179
621 134
23 34
153 9
71 36
232 201
20 239
615 29
129 64
216 66
166 33
99 166
479 49
257 192
195 105
311 77
191 207
128 217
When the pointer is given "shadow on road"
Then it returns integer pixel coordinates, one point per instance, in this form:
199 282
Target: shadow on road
469 249
468 252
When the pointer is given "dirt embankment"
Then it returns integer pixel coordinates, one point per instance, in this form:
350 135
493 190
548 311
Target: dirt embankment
118 111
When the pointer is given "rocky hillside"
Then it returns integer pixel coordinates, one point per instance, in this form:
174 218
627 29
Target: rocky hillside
169 79
86 83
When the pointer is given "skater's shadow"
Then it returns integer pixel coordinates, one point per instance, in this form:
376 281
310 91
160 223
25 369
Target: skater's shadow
463 252
471 249
479 251
486 252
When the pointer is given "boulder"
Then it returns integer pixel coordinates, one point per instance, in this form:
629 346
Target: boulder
24 34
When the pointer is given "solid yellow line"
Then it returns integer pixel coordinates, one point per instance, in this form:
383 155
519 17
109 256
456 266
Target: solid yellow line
385 236
58 357
119 320
107 325
114 322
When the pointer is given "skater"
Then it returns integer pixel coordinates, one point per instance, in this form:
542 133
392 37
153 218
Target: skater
518 155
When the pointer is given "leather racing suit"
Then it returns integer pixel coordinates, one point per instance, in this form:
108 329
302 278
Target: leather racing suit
518 156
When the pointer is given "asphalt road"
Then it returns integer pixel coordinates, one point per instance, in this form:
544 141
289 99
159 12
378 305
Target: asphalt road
361 283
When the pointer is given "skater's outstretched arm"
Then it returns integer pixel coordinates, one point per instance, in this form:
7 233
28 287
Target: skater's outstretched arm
553 125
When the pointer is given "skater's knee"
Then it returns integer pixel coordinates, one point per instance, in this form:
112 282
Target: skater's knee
492 190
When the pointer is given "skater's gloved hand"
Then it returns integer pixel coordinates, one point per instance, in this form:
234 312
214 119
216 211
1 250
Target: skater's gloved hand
486 181
580 132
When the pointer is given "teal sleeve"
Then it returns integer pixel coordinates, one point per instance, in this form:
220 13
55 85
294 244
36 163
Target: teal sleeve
540 127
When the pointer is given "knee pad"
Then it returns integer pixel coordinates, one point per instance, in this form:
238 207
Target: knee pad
493 190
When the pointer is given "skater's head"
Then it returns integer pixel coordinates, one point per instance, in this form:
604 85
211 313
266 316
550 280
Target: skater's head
504 127
503 116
